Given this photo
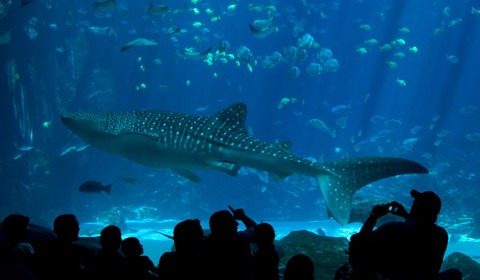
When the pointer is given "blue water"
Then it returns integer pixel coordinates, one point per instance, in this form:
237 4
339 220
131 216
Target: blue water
421 105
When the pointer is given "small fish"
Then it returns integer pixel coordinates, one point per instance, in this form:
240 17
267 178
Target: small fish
341 122
95 187
360 145
197 24
366 27
454 22
370 42
339 108
442 133
410 141
361 50
415 129
321 125
393 123
468 109
130 180
47 124
447 11
453 59
386 47
401 82
474 137
103 30
17 156
172 30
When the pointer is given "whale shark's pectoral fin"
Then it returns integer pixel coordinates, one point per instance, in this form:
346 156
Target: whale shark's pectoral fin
279 176
231 168
186 173
349 175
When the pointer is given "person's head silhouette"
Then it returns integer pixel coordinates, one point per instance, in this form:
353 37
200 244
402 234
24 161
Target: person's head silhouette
187 235
15 228
111 238
426 207
299 267
66 227
131 247
222 223
264 235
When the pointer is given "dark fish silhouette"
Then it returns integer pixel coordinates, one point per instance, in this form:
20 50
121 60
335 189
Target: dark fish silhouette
95 187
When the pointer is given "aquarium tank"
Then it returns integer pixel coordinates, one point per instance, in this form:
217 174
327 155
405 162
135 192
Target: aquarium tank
305 114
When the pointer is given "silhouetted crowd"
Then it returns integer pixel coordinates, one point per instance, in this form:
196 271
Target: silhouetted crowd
409 250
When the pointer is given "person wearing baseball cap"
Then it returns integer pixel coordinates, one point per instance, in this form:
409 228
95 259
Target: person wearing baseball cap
426 206
410 250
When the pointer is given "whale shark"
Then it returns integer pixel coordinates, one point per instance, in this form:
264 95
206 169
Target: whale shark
182 142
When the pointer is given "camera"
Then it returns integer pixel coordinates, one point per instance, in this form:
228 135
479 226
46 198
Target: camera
391 208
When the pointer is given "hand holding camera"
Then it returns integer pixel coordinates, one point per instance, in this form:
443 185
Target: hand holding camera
393 207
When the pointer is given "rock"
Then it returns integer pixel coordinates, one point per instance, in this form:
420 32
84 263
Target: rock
469 268
327 253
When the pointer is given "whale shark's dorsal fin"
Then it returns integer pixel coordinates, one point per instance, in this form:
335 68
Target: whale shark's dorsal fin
233 116
285 146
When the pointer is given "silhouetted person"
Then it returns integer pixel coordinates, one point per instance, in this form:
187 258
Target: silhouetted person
16 254
187 261
228 250
265 257
138 266
108 263
13 230
412 249
299 267
61 258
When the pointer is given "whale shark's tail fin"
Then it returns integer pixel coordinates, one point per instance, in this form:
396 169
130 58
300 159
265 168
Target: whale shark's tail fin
349 175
